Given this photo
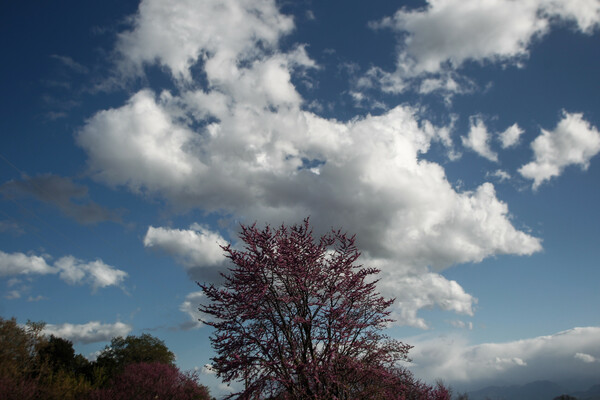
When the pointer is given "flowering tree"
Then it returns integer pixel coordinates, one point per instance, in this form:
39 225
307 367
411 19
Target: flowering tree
297 318
148 381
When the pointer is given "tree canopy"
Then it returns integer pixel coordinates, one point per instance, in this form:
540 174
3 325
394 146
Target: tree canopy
34 366
133 349
298 318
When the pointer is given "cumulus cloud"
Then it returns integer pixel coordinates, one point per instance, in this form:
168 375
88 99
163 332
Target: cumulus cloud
574 141
23 264
69 269
445 34
478 139
72 199
413 293
179 34
510 137
90 332
95 273
244 147
554 357
197 248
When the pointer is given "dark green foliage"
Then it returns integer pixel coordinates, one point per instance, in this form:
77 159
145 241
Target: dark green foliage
132 350
19 347
33 366
58 354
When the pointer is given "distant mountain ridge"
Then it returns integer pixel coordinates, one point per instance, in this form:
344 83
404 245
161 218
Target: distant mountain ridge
538 390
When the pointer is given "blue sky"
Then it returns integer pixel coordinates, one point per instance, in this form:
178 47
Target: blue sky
457 138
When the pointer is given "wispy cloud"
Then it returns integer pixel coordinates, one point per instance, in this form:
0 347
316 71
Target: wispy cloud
71 64
70 198
190 307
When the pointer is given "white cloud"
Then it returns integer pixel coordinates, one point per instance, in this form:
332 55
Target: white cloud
478 139
499 174
586 358
452 359
96 273
573 142
510 137
208 369
179 34
195 247
446 34
90 332
19 263
259 156
585 13
250 165
69 269
416 292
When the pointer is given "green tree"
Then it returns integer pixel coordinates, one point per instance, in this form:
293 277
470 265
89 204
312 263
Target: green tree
19 346
19 366
133 349
57 354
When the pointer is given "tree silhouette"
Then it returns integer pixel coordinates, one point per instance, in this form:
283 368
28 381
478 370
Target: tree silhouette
58 354
297 318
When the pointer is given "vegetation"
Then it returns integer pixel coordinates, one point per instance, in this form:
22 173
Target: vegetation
33 366
297 319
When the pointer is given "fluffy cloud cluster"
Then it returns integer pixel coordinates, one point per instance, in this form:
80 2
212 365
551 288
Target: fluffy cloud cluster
23 264
426 290
560 357
444 35
90 332
244 146
95 273
573 142
178 34
71 270
478 139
